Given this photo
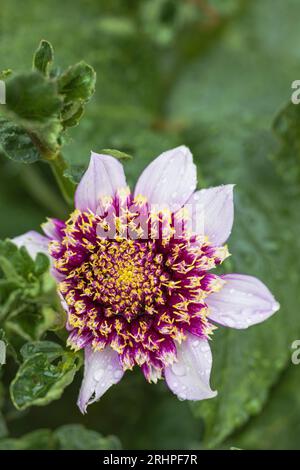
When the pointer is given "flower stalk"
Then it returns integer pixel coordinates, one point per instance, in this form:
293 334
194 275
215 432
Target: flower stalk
66 186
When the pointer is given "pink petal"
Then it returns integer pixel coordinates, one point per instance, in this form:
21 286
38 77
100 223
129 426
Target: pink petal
189 377
53 229
34 242
170 179
212 211
102 369
243 301
102 178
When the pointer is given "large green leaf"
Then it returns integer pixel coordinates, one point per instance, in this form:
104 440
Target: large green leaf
41 379
278 426
40 439
77 437
257 61
68 437
227 104
52 350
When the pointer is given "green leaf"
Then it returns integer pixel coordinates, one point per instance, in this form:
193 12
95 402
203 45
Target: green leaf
31 321
5 74
40 439
228 128
77 437
14 262
33 107
71 114
16 143
277 427
77 83
29 305
50 349
32 97
116 153
40 107
68 437
40 381
41 264
43 57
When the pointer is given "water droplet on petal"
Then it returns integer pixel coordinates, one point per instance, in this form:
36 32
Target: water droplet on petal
98 374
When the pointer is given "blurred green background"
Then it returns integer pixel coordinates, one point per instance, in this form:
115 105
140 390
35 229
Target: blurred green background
213 75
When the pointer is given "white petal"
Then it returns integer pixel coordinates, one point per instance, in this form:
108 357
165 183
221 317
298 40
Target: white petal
170 179
34 243
102 369
189 377
53 229
243 301
213 213
104 176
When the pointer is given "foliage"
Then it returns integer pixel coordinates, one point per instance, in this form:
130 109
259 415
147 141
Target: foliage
47 369
215 76
68 437
28 304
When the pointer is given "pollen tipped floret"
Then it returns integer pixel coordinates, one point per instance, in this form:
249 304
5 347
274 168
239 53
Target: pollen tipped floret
140 288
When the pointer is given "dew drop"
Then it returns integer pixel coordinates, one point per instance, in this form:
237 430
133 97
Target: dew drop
98 374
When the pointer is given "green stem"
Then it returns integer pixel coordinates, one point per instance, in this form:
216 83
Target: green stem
66 186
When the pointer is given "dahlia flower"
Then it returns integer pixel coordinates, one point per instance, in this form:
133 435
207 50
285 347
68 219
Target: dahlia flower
134 275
